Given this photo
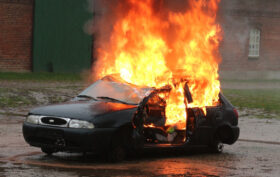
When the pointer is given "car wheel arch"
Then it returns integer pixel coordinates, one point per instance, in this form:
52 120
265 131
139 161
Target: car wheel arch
120 143
224 133
122 134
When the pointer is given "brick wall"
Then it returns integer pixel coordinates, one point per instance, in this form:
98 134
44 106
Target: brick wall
237 18
16 21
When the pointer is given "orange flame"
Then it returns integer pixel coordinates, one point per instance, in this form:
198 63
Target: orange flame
151 48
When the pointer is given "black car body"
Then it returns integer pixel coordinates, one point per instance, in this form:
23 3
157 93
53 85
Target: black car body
112 116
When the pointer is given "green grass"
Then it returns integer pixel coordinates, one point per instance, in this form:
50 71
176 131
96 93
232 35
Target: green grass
265 99
11 97
40 76
15 101
250 80
268 100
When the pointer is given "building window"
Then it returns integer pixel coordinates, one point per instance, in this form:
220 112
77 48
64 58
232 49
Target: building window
254 43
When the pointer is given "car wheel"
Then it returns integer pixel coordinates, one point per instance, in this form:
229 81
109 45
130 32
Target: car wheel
116 154
47 150
217 147
120 145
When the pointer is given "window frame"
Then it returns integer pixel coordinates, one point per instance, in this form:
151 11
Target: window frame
254 42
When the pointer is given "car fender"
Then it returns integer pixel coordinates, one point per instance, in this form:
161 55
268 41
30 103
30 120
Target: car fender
114 119
226 132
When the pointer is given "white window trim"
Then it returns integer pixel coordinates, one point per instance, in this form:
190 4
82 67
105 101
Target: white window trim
254 43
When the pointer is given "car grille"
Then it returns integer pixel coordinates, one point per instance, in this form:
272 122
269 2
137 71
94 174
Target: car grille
54 121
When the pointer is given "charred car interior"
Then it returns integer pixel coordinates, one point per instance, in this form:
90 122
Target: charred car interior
113 117
198 129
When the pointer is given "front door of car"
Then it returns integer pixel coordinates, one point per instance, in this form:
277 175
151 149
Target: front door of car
141 119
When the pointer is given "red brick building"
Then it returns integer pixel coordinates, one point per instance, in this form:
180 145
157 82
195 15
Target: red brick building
251 45
16 22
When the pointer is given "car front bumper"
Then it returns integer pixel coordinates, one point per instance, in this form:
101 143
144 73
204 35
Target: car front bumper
68 139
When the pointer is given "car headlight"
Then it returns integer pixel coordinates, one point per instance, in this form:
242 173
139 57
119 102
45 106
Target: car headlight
33 119
80 124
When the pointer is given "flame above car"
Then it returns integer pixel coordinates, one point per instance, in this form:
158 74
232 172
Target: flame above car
151 45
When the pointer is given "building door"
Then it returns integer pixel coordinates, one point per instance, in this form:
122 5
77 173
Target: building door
59 41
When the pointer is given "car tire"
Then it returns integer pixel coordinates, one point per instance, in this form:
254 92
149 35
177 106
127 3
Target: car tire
116 154
47 150
120 145
217 147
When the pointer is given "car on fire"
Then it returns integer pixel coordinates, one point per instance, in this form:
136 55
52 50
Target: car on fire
114 117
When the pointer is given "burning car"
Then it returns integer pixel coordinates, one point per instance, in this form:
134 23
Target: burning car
115 117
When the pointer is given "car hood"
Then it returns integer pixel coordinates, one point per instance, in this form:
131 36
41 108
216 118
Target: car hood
84 110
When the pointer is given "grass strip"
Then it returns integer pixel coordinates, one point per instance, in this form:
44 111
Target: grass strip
268 99
11 76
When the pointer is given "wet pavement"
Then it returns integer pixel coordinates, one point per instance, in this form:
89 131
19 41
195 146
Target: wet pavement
244 158
257 153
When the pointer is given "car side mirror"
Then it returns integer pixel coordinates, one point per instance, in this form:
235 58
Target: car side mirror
187 93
